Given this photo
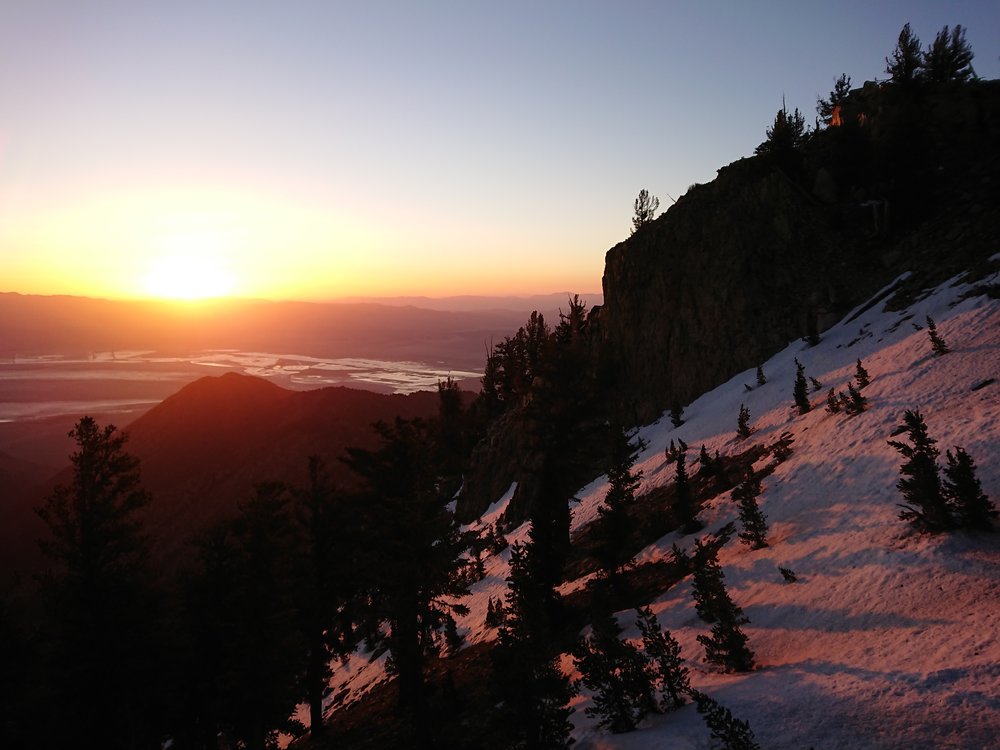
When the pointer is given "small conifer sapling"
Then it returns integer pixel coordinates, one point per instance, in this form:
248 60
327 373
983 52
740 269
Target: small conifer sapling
732 732
963 491
920 484
938 346
854 402
861 376
832 402
670 676
800 391
676 414
743 430
754 533
761 380
618 675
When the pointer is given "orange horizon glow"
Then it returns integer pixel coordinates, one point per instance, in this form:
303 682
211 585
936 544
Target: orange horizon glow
187 243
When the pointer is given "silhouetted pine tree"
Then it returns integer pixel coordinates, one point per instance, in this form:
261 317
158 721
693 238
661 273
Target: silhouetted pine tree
938 346
732 732
706 466
17 698
761 380
800 391
833 404
416 563
963 491
707 582
727 645
327 573
244 649
904 65
754 521
948 57
100 640
854 402
616 673
670 676
645 206
532 691
825 107
683 506
616 524
786 134
920 485
743 430
861 376
676 415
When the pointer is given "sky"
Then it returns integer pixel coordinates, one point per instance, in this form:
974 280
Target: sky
316 150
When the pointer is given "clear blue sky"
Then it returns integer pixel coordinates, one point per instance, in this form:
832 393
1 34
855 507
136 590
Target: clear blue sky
317 149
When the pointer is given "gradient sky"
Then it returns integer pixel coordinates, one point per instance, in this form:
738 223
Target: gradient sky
313 150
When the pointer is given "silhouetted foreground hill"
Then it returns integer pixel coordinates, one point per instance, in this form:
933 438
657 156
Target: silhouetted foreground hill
204 448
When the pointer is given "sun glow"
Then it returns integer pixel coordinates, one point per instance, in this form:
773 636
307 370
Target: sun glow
189 267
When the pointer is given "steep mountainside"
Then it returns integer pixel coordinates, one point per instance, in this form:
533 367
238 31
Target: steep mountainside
888 637
771 250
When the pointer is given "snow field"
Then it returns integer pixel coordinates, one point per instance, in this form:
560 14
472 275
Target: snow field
889 639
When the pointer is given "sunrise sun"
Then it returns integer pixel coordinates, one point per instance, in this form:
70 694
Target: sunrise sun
188 267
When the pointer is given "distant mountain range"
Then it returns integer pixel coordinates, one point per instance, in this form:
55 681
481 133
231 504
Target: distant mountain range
455 330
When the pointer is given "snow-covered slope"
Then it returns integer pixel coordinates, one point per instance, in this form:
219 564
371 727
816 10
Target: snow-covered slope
889 638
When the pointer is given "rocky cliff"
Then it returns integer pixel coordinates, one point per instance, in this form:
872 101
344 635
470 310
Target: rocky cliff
775 249
767 252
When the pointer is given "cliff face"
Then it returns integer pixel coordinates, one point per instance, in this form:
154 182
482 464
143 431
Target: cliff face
762 255
772 250
724 279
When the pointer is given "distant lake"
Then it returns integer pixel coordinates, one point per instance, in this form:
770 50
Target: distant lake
131 382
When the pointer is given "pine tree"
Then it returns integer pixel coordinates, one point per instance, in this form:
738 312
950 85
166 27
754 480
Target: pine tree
948 57
861 376
99 623
416 564
800 391
327 573
646 206
707 582
963 491
761 380
816 384
734 733
617 674
532 690
676 415
920 484
786 134
904 65
938 346
853 402
727 645
706 466
825 108
683 506
664 653
833 404
616 524
743 430
754 521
